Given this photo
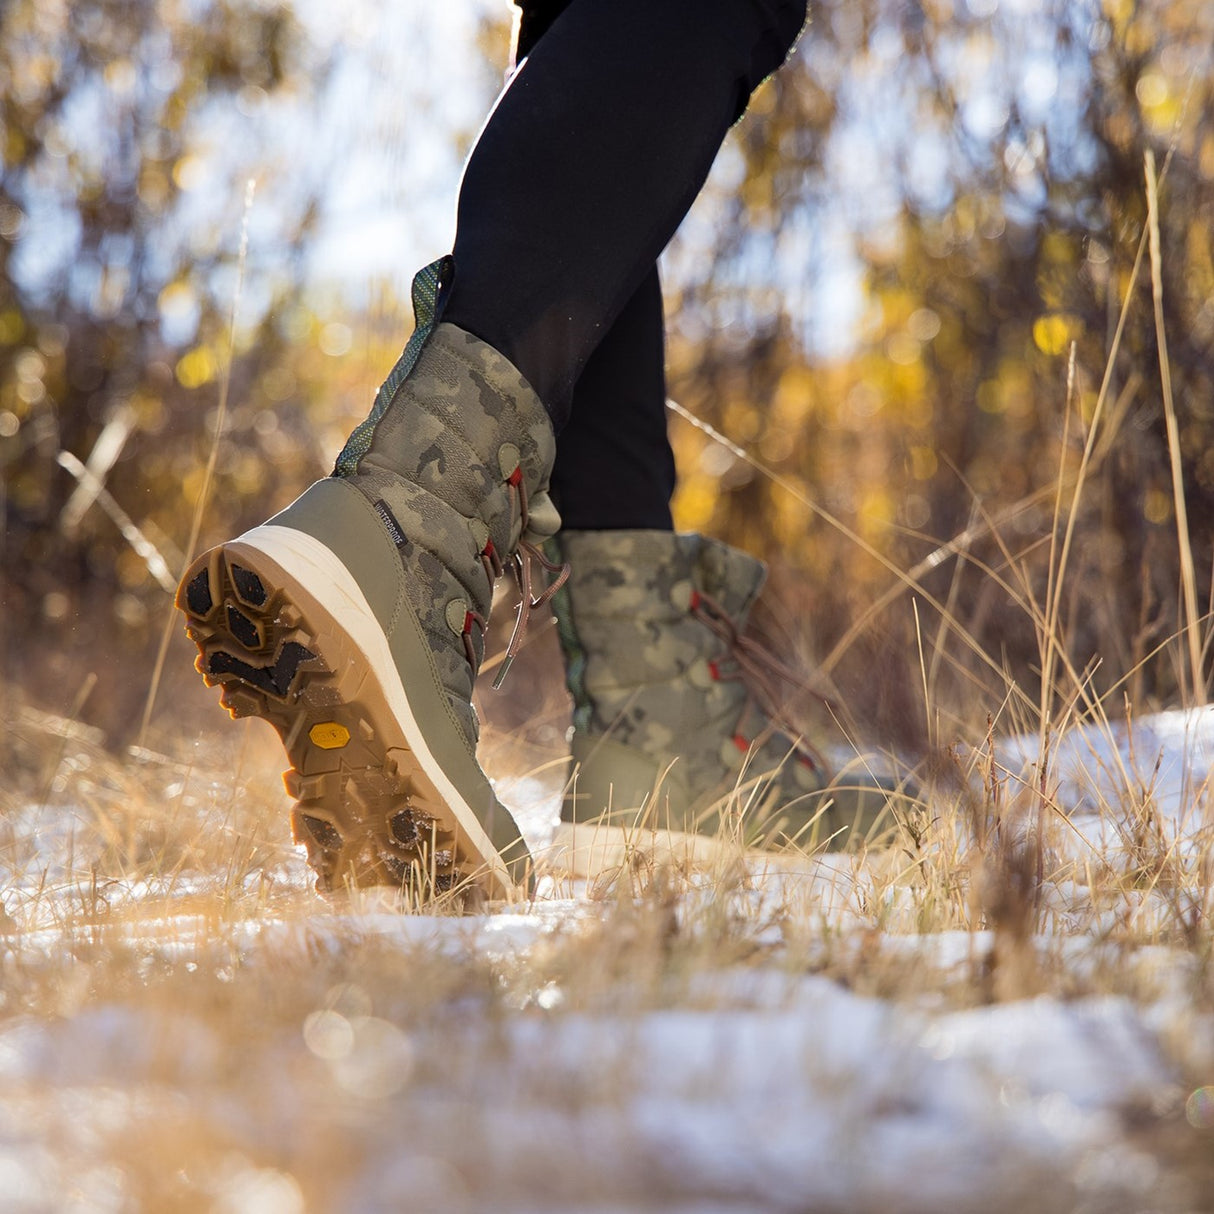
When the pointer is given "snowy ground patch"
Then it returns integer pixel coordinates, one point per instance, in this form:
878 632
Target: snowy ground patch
184 1025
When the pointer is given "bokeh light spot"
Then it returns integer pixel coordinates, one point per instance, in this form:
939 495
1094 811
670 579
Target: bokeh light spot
189 172
197 367
336 339
1052 334
329 1035
1199 1109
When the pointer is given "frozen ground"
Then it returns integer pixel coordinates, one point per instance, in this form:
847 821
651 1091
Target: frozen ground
188 1039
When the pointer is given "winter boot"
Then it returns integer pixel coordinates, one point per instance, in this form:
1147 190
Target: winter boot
354 620
673 708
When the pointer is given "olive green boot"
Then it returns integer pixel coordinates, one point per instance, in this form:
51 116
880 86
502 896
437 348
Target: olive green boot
354 620
667 729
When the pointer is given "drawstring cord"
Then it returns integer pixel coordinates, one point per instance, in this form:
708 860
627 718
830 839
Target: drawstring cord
522 561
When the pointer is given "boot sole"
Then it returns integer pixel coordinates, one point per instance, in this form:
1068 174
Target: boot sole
286 633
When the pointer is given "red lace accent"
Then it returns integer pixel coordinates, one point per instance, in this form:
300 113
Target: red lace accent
470 618
764 675
491 561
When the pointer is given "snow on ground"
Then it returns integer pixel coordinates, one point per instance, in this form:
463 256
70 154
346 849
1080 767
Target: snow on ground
747 1086
1163 760
777 1095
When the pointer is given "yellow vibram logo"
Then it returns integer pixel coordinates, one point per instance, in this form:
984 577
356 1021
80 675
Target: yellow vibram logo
329 735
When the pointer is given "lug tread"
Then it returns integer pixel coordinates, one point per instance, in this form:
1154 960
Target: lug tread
365 811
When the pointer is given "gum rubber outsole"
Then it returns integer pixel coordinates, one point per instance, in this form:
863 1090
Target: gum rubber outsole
366 809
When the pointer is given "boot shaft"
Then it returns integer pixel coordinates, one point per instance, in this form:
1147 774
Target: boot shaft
465 427
641 664
455 457
457 435
650 626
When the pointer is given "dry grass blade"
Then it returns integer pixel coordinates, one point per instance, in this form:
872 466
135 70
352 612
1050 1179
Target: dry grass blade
101 460
1188 571
204 493
1050 641
907 580
144 548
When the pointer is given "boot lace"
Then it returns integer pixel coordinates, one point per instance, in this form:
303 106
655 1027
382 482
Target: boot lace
766 678
522 561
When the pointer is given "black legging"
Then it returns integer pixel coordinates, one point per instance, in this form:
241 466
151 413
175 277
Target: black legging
579 179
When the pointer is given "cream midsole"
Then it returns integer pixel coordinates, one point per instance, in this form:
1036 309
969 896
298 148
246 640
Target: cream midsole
323 575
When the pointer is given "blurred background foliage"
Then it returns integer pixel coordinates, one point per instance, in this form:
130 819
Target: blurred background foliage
877 297
987 160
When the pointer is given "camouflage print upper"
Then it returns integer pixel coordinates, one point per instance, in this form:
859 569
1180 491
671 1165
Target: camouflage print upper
647 672
444 449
